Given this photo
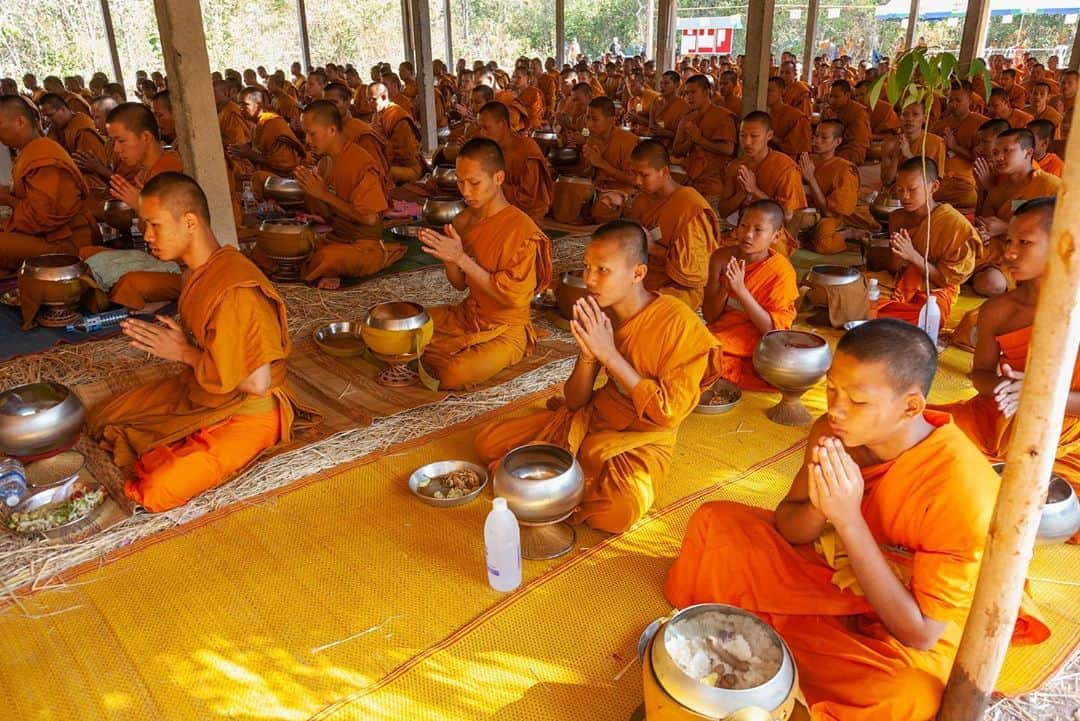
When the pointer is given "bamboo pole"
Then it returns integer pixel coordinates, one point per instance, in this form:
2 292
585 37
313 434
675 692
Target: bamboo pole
1038 420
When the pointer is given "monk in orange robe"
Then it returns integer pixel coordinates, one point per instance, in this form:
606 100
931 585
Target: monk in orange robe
497 253
1014 179
953 245
234 128
797 94
999 106
833 185
47 192
683 228
1014 91
281 102
912 141
656 355
843 107
751 291
403 136
730 94
959 126
705 137
1064 102
358 131
884 121
1002 344
348 190
186 434
870 561
760 173
75 102
668 109
607 152
791 128
1043 131
1040 108
547 82
528 184
76 132
529 98
272 148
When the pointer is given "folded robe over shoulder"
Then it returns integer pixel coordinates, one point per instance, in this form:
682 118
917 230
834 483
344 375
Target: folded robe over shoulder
528 183
50 195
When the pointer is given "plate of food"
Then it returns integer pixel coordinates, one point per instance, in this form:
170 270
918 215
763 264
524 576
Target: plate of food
720 398
53 511
448 483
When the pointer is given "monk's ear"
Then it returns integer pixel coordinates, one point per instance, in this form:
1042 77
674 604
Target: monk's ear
640 271
499 177
914 404
933 189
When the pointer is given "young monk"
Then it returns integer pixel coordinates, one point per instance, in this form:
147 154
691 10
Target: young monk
607 151
656 355
953 245
496 252
666 110
683 228
47 193
348 190
399 128
751 291
1043 132
884 122
760 173
234 128
76 132
998 106
272 148
872 557
186 434
911 141
705 137
797 94
791 128
856 120
833 184
1040 108
958 127
356 130
528 184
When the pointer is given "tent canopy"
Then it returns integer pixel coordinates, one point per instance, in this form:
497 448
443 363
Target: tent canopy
942 9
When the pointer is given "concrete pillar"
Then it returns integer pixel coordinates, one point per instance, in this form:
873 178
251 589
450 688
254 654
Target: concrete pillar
305 39
759 20
666 15
1074 55
810 43
912 21
448 27
650 28
420 18
973 41
407 32
560 34
183 45
110 36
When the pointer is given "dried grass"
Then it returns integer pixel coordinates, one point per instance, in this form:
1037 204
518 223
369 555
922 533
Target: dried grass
1057 700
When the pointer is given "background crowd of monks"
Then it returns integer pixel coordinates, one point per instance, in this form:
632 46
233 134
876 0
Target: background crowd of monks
698 207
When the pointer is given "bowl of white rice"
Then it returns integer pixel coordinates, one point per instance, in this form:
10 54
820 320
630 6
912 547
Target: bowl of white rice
716 659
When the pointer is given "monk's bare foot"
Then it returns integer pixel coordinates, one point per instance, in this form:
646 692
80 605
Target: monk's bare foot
329 283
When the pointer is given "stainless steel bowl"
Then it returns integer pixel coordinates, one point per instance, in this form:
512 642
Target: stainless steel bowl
397 315
565 156
283 190
832 275
54 267
546 139
443 134
571 288
706 408
342 339
118 214
1060 519
445 176
541 482
716 702
39 418
792 360
442 209
883 205
440 468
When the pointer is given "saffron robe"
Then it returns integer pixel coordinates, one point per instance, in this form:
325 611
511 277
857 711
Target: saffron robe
929 510
856 120
778 177
528 184
364 134
772 283
883 119
1018 118
1051 163
188 433
791 129
80 135
235 129
957 186
799 96
1048 113
684 231
624 437
1000 201
666 113
705 168
482 335
403 146
612 193
274 139
839 182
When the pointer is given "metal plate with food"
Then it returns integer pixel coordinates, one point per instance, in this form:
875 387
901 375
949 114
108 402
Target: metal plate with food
10 297
720 398
341 339
448 483
406 231
54 511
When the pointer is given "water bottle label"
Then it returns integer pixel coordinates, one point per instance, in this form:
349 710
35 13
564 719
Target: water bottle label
493 571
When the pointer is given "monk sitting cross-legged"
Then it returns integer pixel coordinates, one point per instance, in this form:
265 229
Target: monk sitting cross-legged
607 151
273 149
856 120
348 190
399 128
76 132
751 291
705 137
834 189
501 256
953 245
656 355
186 434
911 141
683 228
868 566
528 184
959 126
1001 348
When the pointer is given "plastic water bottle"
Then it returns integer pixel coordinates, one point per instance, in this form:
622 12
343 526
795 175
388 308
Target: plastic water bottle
502 547
930 318
12 481
873 293
99 321
249 207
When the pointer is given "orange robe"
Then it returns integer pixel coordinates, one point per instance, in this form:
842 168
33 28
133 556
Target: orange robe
1019 119
274 139
76 103
954 248
519 115
883 119
533 101
839 183
482 335
667 114
285 106
364 134
684 231
935 149
799 96
548 85
705 168
778 177
928 509
1018 96
732 103
791 129
1050 114
49 212
81 136
612 193
403 148
235 130
772 283
352 250
958 179
624 437
528 183
856 120
189 433
1052 164
1000 201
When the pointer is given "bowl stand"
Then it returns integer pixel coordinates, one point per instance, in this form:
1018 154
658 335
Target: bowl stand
790 411
287 269
57 316
544 541
397 373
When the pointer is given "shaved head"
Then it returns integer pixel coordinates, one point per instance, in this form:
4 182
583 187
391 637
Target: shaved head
770 209
905 349
835 127
651 152
324 112
496 110
179 194
136 117
630 237
485 152
15 106
915 165
1043 207
758 117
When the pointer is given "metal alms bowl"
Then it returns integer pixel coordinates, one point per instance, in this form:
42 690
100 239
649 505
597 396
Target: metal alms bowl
542 483
39 418
283 190
832 275
342 339
442 209
716 702
546 139
571 288
440 468
397 316
285 238
54 267
792 360
565 156
445 176
118 214
1060 519
883 206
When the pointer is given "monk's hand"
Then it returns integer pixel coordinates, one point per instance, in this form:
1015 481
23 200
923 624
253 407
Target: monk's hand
950 139
311 182
905 147
448 248
591 153
984 174
1007 392
167 340
839 483
806 166
123 189
735 274
592 330
748 181
88 163
903 248
241 152
993 226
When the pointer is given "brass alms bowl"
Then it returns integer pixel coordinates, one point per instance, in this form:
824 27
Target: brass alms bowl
570 290
442 209
118 214
286 191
